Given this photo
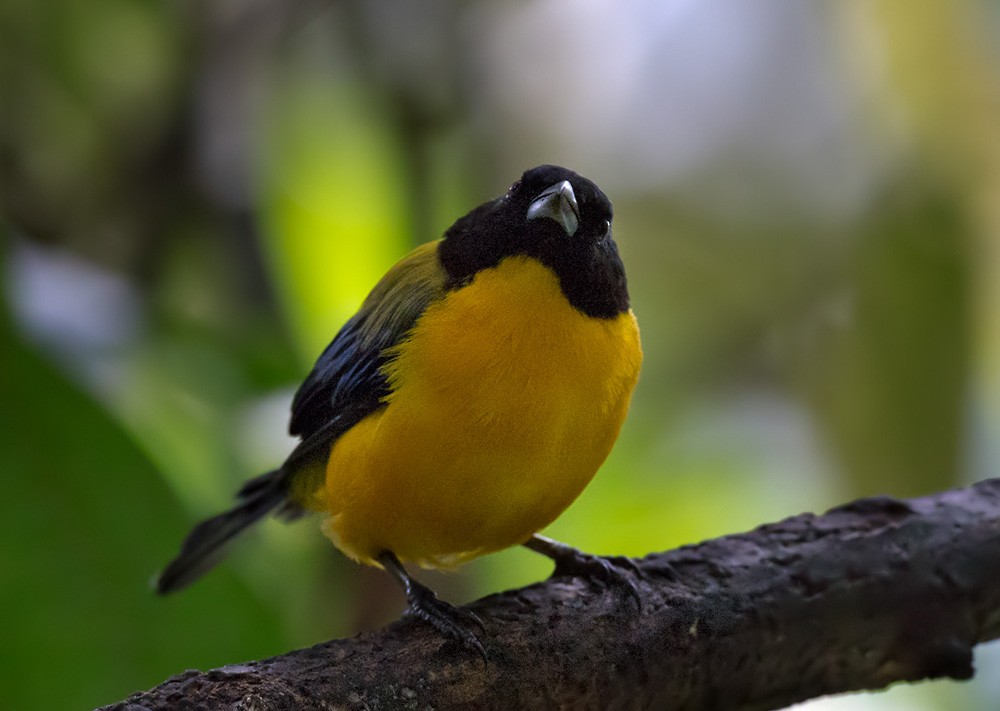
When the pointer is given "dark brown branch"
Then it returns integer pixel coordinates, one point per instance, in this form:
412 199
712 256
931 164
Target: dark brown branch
873 592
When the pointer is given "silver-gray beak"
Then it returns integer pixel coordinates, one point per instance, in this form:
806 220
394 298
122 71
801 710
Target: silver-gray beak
557 203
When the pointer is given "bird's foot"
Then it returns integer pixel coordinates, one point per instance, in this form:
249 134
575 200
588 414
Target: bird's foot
453 622
614 571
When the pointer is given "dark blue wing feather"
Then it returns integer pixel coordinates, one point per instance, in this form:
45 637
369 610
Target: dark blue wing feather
335 376
345 386
347 382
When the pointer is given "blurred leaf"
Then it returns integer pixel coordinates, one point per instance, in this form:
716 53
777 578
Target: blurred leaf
87 89
895 399
334 203
87 522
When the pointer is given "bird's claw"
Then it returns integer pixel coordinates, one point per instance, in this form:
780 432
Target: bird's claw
608 570
572 561
453 622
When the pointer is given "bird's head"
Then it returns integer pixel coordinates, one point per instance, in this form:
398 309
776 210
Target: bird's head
550 213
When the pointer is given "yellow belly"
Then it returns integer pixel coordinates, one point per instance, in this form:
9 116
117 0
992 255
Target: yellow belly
505 402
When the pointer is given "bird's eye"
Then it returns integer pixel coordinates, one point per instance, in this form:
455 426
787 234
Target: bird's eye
514 186
606 228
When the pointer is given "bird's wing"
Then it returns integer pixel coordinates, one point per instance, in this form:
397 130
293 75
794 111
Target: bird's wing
347 383
345 386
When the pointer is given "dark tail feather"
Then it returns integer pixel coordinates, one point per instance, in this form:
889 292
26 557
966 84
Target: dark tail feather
204 546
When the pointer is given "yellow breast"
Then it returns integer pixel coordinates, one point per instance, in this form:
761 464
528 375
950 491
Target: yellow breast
505 401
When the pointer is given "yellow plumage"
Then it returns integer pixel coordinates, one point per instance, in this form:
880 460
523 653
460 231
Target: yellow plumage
505 401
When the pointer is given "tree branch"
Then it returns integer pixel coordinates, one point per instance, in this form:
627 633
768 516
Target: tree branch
872 592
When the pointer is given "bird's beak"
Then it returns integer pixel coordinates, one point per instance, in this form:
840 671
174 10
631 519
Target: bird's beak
557 203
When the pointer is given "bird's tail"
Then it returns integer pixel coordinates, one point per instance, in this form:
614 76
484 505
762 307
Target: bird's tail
206 543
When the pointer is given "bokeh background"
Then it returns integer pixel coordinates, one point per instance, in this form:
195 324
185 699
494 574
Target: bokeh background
194 196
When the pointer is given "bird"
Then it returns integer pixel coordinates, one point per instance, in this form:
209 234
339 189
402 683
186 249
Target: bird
469 401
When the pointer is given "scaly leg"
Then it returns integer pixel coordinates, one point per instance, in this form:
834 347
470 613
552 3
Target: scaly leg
572 561
453 622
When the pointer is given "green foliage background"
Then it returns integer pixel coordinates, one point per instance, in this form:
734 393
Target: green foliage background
194 196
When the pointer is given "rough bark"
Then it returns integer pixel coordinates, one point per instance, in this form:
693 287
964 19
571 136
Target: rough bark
876 591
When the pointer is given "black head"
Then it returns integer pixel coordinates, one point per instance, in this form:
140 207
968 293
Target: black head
556 216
